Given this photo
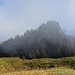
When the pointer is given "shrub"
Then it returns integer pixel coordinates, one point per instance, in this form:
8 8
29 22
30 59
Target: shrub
72 63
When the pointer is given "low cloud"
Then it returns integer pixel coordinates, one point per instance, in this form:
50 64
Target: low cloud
17 16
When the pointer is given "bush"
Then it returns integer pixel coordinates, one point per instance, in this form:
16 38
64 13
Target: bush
72 63
51 66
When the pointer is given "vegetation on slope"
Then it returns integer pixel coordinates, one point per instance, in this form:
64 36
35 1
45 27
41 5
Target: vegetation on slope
52 71
46 41
17 64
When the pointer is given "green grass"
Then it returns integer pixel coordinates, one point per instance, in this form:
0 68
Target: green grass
17 64
10 64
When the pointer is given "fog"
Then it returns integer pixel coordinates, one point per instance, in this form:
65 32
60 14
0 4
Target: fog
16 16
48 40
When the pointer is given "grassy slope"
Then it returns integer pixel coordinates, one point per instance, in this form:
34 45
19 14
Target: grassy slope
17 64
51 71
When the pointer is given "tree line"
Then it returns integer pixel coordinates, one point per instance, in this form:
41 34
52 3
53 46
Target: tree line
47 41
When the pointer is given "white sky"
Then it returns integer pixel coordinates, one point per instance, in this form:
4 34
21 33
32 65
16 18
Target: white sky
16 16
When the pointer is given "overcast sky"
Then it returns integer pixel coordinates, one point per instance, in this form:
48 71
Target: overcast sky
16 16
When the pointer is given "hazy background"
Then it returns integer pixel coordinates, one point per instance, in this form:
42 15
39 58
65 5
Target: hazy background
16 16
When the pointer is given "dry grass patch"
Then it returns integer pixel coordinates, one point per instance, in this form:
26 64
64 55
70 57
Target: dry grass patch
52 71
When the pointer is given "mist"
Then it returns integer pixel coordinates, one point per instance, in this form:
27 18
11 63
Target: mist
17 16
47 40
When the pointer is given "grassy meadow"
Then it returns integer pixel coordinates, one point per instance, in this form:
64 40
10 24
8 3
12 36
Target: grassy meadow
52 71
43 66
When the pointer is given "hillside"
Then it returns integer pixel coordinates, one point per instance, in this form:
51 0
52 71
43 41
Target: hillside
16 64
46 41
